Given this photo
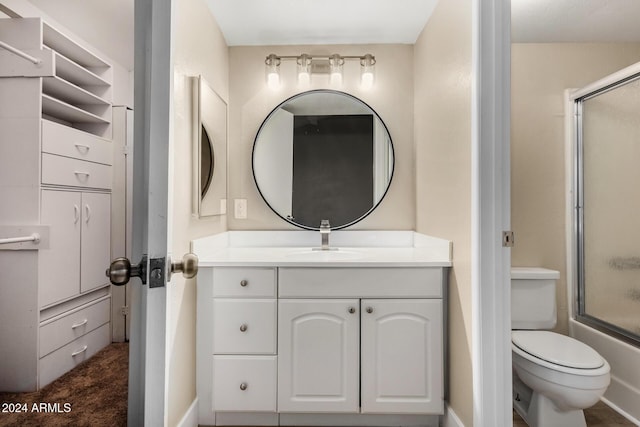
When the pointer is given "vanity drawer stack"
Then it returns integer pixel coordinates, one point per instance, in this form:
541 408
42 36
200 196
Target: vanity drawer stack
244 339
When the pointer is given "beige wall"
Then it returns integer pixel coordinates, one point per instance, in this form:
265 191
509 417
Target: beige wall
443 172
540 75
195 52
251 101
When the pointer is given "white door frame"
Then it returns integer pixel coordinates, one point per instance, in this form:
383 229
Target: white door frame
152 129
491 263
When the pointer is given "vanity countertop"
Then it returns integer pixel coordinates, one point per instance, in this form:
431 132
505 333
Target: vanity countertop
372 249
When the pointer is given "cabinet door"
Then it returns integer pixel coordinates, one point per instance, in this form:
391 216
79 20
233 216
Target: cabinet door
318 355
401 360
59 266
96 240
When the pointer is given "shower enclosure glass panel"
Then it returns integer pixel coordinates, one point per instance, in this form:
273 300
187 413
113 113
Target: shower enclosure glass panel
608 210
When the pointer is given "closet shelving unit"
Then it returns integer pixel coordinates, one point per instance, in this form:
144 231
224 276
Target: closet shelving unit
56 172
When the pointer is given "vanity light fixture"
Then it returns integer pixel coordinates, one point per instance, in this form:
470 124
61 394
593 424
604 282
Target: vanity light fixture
333 65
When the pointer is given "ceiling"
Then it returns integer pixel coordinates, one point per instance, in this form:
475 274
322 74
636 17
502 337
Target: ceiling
108 25
550 21
282 22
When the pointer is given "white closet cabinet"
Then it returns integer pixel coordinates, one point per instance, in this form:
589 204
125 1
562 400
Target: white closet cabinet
55 119
79 251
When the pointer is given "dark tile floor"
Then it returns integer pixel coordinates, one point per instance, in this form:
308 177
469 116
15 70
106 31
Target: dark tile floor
599 415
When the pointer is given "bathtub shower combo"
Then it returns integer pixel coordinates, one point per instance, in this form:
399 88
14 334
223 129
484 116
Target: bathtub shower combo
604 227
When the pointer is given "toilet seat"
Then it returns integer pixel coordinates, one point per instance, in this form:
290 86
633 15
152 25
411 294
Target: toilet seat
556 351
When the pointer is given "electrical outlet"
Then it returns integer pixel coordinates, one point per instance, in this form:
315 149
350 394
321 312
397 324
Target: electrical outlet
240 208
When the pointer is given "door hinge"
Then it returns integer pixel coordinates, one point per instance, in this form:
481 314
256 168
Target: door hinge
507 239
124 310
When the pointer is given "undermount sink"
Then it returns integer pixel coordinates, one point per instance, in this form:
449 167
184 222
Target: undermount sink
326 255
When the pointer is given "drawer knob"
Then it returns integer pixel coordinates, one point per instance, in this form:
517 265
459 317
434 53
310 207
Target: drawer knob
243 327
243 386
244 283
369 309
352 310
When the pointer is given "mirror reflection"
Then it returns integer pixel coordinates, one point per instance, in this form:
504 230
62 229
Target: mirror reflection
207 161
209 150
323 155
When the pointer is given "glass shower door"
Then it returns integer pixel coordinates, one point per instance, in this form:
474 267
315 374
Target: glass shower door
608 211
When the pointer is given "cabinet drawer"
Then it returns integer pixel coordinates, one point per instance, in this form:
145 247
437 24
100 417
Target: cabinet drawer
65 329
381 282
69 142
244 326
66 358
57 170
244 282
244 383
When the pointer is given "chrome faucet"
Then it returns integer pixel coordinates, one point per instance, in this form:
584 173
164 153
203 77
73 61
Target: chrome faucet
325 229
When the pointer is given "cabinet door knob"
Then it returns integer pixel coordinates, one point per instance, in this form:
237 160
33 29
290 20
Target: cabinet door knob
243 327
243 386
244 283
369 309
352 310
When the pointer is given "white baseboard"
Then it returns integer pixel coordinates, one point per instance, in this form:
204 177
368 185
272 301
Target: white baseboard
451 419
190 418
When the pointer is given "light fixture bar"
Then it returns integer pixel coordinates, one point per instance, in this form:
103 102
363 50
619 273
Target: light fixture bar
320 64
273 56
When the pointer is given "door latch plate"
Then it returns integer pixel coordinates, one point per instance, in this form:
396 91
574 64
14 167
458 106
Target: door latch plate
157 272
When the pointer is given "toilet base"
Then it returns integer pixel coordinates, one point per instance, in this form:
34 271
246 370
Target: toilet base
539 411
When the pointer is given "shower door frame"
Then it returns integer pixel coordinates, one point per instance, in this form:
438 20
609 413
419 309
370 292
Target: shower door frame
575 216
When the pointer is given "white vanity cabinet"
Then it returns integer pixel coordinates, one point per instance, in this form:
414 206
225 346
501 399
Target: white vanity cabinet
318 355
366 355
358 341
401 362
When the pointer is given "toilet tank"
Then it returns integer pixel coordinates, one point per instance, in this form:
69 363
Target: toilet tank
533 298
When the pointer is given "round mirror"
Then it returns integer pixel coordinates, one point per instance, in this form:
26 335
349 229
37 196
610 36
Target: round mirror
323 155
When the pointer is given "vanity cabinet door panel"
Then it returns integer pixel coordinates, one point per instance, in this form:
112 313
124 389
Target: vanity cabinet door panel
402 356
96 240
59 265
318 355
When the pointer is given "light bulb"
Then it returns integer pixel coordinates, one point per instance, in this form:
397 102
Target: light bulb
304 69
336 63
367 68
272 68
273 80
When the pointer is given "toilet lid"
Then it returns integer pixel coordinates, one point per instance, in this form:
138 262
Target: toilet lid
557 349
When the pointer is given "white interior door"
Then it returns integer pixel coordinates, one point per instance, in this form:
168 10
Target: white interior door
152 105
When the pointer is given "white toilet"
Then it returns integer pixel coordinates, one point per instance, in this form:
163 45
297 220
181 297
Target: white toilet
555 376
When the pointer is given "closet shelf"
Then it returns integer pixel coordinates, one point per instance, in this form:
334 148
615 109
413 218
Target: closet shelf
61 110
69 48
70 93
69 70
